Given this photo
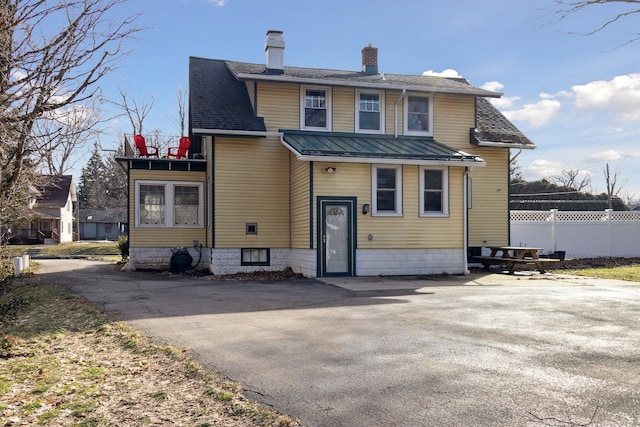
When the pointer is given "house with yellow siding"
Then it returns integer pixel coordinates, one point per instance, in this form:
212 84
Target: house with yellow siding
326 172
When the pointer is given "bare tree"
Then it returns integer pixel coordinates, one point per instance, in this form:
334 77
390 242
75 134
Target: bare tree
68 130
575 178
611 179
182 110
135 111
628 9
52 56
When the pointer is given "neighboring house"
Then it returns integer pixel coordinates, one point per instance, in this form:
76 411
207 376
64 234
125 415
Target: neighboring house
51 213
328 172
102 224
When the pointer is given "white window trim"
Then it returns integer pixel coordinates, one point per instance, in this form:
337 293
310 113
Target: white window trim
407 131
303 91
374 190
382 108
169 195
445 192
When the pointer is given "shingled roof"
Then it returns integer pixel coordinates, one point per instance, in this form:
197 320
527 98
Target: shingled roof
493 129
55 191
217 100
247 71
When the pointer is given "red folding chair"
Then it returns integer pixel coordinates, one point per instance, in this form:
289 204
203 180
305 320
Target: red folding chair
180 152
144 151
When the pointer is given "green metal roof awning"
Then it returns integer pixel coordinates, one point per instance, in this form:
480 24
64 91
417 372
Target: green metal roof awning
359 148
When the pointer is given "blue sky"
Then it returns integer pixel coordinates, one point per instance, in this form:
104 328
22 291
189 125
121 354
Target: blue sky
577 97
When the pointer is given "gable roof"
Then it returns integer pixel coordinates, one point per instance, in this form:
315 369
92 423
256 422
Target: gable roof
55 191
219 101
493 129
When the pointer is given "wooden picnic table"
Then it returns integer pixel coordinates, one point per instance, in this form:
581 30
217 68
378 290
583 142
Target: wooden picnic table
511 256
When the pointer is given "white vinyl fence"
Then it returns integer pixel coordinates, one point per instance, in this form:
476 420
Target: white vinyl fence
579 234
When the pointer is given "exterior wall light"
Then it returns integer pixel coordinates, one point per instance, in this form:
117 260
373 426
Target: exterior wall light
365 209
330 169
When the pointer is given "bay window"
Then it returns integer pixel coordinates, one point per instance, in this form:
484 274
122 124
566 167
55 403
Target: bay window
169 204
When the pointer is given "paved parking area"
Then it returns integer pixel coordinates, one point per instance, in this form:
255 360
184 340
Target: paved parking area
479 350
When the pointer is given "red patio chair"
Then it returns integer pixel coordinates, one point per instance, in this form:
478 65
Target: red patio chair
181 151
143 149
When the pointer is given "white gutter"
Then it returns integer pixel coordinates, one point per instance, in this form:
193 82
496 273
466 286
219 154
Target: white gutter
506 145
252 133
465 215
395 113
513 159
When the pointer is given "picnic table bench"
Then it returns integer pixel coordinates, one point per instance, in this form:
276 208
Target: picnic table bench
512 256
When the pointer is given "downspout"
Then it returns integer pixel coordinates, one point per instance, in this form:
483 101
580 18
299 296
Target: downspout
395 113
465 214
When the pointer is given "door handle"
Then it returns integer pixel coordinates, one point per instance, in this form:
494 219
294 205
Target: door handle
324 239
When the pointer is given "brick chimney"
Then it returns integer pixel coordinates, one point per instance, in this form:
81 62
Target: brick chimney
370 60
274 47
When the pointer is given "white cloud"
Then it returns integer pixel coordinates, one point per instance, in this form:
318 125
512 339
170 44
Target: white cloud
620 96
503 102
536 114
493 86
218 3
445 73
541 168
607 156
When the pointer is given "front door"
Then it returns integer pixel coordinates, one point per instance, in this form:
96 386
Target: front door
336 247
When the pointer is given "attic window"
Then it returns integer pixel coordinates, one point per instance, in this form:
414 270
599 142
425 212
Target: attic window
90 217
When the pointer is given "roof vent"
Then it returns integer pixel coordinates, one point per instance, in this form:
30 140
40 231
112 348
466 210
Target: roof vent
370 60
274 47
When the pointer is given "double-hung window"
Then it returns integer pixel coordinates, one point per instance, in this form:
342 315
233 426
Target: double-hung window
315 108
169 204
387 190
369 111
434 191
418 117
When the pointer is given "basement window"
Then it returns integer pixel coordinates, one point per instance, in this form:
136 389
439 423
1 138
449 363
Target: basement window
253 256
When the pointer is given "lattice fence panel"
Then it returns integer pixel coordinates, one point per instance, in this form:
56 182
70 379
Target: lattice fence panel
625 216
581 216
530 216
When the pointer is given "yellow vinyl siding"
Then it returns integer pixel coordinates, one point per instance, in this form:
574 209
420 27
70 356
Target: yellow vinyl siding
279 104
300 187
343 101
163 236
489 216
390 99
407 232
251 186
453 117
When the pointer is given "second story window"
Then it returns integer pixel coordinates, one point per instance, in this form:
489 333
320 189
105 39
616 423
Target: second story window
369 112
418 118
315 111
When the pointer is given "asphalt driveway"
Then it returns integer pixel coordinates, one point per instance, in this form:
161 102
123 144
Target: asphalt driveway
481 350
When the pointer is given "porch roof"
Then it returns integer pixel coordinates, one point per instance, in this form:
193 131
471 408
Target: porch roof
359 148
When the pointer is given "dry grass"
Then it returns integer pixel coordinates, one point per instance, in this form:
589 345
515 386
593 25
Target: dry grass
64 363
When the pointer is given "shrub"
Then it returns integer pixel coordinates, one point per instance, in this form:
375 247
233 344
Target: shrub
123 246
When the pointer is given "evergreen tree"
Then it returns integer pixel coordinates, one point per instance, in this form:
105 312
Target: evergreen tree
116 181
92 187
